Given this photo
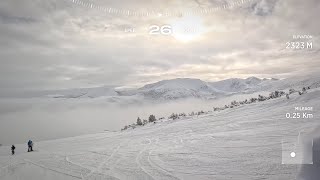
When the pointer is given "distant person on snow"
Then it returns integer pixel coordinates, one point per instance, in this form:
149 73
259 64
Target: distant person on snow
12 149
30 144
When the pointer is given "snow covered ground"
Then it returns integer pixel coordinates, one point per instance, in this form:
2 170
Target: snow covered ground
239 143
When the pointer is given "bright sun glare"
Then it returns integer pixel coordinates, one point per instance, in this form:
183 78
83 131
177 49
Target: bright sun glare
188 28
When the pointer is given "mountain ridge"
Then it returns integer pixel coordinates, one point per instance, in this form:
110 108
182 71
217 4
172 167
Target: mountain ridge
168 89
181 88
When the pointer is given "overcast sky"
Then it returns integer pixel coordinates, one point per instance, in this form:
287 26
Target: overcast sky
55 44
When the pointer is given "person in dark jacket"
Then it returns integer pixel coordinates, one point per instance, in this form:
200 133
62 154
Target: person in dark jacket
30 144
12 149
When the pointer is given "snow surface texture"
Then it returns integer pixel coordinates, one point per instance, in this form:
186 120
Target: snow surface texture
240 143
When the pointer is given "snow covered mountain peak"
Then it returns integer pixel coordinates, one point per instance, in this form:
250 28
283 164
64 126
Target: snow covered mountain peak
179 83
252 80
177 88
236 84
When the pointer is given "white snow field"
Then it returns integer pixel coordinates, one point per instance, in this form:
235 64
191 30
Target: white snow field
241 143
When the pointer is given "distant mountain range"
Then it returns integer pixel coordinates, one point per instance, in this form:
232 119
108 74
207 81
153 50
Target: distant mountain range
188 88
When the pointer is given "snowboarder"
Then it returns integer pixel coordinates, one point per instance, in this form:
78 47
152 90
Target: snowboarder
12 149
30 144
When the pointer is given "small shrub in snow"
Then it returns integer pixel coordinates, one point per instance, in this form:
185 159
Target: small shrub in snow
139 122
152 118
124 128
173 116
261 98
253 100
291 91
304 90
234 103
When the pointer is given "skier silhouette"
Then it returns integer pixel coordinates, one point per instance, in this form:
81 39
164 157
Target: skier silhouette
30 144
12 149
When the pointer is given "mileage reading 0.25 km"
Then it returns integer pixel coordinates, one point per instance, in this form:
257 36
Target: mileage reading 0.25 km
299 115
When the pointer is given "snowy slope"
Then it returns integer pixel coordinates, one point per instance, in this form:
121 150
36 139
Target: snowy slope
240 143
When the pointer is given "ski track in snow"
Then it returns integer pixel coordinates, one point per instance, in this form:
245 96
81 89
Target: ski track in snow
239 143
98 169
139 159
47 168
